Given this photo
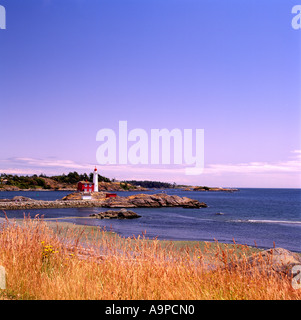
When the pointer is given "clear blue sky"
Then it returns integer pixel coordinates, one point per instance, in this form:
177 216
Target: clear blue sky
69 68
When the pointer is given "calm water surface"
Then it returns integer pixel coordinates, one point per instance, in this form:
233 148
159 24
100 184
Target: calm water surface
261 215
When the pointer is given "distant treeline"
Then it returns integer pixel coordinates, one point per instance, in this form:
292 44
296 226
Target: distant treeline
151 184
74 177
23 182
35 181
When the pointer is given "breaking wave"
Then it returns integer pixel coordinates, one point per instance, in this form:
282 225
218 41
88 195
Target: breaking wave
270 221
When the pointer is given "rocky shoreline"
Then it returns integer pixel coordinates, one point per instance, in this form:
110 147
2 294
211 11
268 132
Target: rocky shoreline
100 200
152 201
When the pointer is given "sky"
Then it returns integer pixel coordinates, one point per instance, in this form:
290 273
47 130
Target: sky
232 68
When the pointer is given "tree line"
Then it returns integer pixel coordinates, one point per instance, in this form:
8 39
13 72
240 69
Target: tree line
35 181
151 184
74 177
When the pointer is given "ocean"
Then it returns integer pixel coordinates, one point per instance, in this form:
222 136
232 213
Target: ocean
252 216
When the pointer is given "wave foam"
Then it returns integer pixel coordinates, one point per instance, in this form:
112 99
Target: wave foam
270 221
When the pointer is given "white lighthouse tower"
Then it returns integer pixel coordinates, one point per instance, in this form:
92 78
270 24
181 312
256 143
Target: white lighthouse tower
95 180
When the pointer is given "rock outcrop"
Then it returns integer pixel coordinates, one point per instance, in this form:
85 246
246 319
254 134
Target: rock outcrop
17 199
111 214
272 260
152 201
78 196
99 200
214 189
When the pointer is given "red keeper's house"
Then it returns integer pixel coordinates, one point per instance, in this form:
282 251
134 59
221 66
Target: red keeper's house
85 186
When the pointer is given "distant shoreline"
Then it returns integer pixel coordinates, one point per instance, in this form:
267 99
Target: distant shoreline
200 189
3 190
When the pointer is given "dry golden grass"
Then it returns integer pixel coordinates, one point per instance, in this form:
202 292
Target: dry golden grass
43 263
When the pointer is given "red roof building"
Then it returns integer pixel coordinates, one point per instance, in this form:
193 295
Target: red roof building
85 186
111 195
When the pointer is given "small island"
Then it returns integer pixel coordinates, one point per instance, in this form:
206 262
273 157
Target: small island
215 189
99 199
112 214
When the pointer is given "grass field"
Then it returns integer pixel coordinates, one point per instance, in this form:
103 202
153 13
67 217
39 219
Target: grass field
63 261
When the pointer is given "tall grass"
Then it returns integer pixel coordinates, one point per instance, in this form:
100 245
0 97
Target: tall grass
46 263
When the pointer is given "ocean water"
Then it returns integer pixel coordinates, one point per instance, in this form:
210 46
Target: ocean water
261 216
